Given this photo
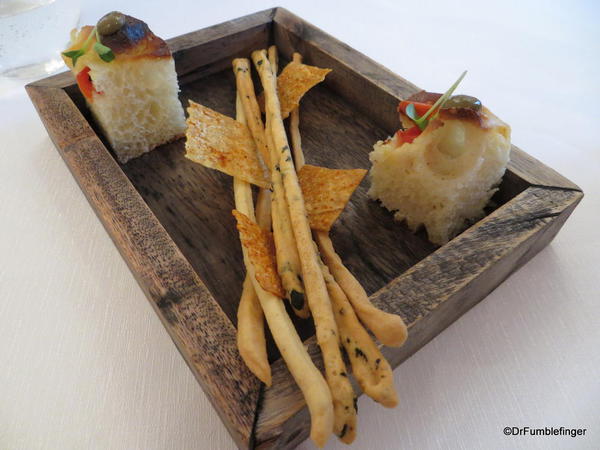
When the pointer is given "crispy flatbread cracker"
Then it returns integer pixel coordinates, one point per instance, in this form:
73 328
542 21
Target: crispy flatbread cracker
326 193
219 142
323 221
293 82
261 251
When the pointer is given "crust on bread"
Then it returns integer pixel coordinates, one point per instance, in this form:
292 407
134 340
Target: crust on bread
134 40
483 118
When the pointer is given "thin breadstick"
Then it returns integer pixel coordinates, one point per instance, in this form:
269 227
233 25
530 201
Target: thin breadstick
314 283
369 366
285 243
288 262
251 340
263 209
295 127
388 328
371 369
274 59
307 376
246 93
251 333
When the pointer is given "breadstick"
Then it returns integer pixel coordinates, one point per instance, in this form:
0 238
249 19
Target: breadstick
251 333
263 209
273 59
314 283
295 127
251 330
390 329
307 376
371 369
246 93
288 264
369 366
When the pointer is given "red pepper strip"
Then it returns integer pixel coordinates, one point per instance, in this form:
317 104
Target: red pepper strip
408 135
85 83
420 108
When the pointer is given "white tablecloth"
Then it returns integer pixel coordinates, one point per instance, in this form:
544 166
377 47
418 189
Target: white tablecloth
85 362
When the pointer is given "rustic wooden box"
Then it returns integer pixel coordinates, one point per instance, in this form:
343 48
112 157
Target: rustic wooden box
171 220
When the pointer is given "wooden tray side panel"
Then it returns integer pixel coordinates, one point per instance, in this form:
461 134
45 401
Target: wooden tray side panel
484 256
455 266
198 326
205 46
209 51
536 173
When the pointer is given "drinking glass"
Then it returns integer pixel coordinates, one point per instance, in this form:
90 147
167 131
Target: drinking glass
32 35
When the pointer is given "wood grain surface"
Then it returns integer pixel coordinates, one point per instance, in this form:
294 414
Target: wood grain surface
171 218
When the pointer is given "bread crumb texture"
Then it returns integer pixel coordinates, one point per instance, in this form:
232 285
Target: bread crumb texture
444 178
136 104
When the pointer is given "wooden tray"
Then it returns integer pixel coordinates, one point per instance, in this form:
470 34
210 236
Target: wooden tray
171 219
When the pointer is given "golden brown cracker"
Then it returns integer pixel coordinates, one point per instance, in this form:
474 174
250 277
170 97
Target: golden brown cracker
295 80
325 220
326 193
261 251
219 142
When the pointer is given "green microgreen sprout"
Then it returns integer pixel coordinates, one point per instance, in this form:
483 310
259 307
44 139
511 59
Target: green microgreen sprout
422 122
104 52
411 112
